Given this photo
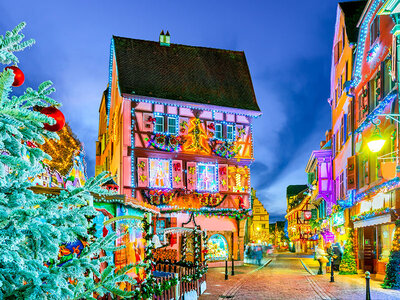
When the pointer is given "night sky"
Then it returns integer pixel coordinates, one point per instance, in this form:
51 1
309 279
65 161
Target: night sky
287 43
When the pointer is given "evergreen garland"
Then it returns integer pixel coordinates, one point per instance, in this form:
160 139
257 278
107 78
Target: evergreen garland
149 287
348 264
392 277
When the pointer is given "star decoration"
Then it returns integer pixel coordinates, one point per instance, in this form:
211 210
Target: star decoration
177 179
223 182
142 165
192 170
143 178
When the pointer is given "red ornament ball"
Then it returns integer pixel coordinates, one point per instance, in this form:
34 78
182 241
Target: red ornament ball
57 115
19 76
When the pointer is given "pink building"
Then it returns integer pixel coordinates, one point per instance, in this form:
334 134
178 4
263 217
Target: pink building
175 130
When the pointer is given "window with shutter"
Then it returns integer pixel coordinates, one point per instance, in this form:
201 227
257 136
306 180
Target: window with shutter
344 129
374 30
341 133
349 120
335 53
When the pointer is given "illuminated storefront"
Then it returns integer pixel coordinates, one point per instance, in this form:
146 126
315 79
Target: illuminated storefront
217 248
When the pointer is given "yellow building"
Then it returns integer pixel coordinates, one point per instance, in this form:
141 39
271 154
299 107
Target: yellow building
259 222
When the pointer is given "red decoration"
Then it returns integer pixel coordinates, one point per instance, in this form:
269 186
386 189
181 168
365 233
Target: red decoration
172 239
151 119
19 76
211 126
222 171
177 167
57 115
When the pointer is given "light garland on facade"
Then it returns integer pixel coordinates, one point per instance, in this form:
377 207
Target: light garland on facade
110 69
196 107
132 153
377 111
361 43
388 185
371 214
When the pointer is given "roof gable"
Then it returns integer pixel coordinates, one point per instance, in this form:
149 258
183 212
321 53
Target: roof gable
178 72
352 11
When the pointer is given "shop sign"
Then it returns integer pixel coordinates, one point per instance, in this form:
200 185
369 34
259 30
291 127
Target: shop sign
338 218
307 215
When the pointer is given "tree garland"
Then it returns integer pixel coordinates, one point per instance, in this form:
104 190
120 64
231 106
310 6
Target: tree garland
199 270
183 249
149 286
392 277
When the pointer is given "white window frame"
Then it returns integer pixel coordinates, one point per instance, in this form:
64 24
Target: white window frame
210 186
218 133
175 130
232 133
158 117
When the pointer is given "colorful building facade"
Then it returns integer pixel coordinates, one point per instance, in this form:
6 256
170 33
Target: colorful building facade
364 104
258 223
298 216
376 95
175 131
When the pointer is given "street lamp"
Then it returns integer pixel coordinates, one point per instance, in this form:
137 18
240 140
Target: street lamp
376 142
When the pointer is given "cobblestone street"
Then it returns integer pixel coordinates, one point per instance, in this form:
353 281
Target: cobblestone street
287 276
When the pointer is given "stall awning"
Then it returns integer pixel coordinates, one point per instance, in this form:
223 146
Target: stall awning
374 221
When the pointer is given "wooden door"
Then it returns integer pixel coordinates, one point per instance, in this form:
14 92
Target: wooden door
369 249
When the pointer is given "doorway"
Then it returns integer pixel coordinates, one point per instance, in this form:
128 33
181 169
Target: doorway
369 248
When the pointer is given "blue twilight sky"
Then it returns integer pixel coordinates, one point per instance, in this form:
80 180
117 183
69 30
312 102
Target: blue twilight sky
287 45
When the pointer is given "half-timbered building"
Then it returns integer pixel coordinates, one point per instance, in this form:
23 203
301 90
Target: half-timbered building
175 129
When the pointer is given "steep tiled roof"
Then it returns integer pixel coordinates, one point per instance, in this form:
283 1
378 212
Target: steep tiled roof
185 73
352 12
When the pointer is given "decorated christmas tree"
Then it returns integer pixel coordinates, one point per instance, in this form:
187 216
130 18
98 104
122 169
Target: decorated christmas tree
36 227
348 264
392 278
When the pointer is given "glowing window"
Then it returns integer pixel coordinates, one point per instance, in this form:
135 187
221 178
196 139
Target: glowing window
160 176
207 177
218 131
159 124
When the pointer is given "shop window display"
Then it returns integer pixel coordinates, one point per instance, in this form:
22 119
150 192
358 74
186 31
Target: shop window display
160 176
207 177
385 240
217 248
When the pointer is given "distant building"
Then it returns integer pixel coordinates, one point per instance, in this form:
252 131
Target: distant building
298 216
258 225
277 235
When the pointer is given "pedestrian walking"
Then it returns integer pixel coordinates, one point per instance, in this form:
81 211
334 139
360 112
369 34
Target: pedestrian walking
259 255
320 255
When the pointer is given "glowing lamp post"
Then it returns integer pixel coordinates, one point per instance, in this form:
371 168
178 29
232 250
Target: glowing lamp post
376 142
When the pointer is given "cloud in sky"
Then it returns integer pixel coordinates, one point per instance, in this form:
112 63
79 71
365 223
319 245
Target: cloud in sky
287 45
